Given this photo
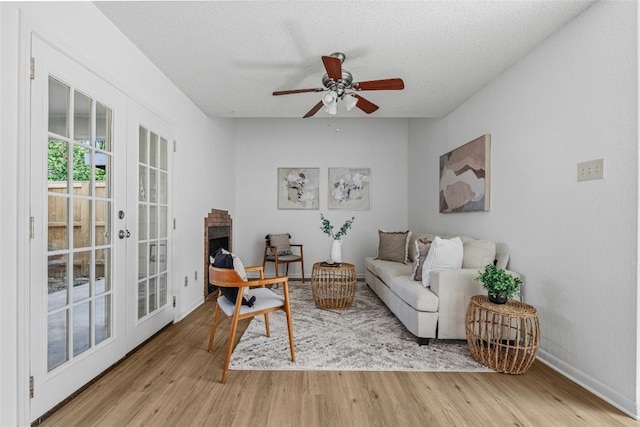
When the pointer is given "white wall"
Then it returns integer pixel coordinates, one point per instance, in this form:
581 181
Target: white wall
573 99
83 32
264 145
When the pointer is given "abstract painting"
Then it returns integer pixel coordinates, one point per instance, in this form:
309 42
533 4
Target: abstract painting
464 177
349 188
298 188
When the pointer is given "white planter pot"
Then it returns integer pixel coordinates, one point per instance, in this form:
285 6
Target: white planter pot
336 251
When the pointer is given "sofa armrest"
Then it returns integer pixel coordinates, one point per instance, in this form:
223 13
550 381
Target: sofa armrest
454 288
447 283
452 281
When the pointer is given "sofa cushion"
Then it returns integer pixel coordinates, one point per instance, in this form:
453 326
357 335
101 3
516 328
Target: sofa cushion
478 253
444 253
411 292
391 269
422 249
502 255
393 246
386 269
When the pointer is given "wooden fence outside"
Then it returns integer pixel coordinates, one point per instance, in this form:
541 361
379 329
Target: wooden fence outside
82 223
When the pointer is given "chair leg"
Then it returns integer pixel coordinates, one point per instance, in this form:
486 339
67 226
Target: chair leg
232 334
266 324
302 267
290 327
276 274
213 327
287 311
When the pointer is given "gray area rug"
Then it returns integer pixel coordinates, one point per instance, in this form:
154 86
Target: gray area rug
364 337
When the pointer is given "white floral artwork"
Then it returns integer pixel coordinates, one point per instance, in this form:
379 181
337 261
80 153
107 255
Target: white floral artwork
298 188
350 188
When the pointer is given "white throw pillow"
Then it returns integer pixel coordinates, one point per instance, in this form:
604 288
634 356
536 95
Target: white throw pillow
444 253
238 266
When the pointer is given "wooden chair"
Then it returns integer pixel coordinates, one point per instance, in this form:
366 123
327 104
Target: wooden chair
266 302
271 255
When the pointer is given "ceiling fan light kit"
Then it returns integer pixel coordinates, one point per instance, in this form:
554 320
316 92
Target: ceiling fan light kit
330 101
350 101
338 85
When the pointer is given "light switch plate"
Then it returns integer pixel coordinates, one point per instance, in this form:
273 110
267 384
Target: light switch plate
591 170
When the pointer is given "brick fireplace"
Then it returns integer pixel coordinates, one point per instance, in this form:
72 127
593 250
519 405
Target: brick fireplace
218 233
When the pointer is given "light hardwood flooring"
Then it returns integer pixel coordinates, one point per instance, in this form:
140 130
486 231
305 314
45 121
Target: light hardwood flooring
174 381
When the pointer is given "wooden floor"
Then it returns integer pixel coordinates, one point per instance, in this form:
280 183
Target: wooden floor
174 381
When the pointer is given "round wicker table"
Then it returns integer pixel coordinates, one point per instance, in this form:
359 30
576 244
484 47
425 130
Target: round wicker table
333 287
504 337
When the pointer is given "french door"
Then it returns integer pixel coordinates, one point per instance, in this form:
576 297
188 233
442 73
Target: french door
150 305
98 283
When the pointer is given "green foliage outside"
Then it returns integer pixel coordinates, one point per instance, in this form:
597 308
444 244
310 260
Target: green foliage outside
57 163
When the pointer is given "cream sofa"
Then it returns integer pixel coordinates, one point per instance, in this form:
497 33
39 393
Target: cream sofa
439 310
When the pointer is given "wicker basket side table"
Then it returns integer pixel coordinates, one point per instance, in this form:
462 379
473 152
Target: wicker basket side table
504 337
333 287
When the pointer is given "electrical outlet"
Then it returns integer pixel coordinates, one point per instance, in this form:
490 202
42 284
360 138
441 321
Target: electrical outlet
591 170
186 280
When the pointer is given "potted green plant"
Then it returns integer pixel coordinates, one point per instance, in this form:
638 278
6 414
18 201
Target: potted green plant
336 246
499 284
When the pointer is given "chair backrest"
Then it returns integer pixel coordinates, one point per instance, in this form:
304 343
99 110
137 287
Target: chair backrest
225 277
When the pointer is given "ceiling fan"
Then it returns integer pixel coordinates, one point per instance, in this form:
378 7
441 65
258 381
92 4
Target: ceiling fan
338 85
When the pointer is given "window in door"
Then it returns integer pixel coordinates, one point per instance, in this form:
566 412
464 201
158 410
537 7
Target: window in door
79 246
153 224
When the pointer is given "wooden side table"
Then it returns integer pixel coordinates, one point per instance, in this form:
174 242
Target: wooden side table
333 287
504 337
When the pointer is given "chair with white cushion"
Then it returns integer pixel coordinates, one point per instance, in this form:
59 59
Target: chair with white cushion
266 301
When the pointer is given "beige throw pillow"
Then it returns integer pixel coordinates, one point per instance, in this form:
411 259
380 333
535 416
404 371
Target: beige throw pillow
393 245
478 253
282 242
422 249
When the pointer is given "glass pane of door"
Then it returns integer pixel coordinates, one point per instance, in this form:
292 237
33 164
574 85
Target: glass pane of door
153 199
79 215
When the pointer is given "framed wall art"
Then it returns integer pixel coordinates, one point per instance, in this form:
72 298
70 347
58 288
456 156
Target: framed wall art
465 176
350 188
298 188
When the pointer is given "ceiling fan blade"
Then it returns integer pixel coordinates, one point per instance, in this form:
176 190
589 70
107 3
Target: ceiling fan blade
333 66
289 92
314 110
365 105
385 84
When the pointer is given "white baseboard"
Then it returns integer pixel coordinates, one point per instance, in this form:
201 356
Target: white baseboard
189 310
604 392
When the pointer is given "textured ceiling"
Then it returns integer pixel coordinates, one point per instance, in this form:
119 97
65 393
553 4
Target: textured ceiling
229 56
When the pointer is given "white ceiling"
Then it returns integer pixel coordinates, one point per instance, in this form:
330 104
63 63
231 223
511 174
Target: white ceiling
229 56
